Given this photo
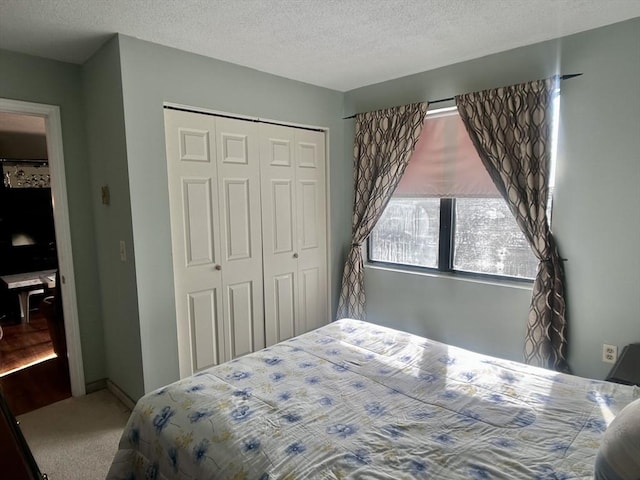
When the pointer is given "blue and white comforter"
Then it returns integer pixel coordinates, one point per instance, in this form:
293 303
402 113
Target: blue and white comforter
355 400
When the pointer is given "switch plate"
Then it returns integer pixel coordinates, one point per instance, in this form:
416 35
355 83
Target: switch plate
609 353
123 251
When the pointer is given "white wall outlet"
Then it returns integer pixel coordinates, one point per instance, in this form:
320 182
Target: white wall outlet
123 251
609 353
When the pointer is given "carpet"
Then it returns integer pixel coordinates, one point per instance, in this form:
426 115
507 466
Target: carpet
76 438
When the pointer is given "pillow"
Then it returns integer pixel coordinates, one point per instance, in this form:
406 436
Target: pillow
619 453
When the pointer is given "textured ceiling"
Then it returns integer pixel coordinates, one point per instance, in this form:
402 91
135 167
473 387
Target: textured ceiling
339 44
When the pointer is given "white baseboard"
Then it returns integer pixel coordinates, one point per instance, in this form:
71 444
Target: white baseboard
120 395
96 386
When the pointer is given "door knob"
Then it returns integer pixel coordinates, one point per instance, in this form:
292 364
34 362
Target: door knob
218 267
295 255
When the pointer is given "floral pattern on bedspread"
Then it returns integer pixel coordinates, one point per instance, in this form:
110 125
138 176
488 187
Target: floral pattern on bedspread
355 400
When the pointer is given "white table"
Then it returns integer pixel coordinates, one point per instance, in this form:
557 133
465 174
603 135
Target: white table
29 283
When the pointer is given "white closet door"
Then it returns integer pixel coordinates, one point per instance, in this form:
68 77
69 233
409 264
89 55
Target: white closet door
248 229
241 236
312 229
279 232
193 193
294 230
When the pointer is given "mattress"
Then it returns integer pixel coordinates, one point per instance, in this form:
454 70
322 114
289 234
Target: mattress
356 400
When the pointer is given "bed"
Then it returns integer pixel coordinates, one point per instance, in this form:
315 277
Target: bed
356 400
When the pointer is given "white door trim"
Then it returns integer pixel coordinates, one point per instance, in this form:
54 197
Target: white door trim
53 126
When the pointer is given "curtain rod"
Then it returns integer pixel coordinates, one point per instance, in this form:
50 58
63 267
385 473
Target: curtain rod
233 117
562 77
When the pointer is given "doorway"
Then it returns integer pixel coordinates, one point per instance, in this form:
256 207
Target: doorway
37 295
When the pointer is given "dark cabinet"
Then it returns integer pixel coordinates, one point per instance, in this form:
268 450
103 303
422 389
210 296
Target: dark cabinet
16 460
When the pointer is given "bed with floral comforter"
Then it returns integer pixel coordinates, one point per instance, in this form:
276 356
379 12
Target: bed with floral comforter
356 400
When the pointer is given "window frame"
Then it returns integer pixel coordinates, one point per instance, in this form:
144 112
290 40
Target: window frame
446 249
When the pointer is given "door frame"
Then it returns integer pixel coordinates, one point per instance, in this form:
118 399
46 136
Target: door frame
53 129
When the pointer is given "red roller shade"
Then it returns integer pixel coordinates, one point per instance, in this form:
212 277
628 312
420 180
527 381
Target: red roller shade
445 163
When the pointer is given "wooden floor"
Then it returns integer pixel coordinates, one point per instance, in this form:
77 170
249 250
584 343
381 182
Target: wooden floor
37 377
25 343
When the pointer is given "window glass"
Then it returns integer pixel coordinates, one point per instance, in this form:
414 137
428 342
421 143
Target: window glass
408 233
488 240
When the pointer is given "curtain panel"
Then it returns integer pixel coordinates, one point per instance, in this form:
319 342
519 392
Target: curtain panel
511 130
384 141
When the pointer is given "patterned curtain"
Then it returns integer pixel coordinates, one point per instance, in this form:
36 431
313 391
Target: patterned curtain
511 129
383 145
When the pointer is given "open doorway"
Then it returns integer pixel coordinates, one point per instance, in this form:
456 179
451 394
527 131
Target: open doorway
40 358
33 360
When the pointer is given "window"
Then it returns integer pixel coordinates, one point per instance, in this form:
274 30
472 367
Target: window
446 213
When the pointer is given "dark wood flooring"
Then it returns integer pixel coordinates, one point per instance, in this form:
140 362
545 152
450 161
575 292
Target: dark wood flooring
25 343
43 378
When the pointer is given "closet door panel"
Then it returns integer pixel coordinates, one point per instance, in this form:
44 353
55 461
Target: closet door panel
240 318
241 232
198 219
310 295
193 204
279 231
284 305
281 220
202 313
312 229
237 218
308 200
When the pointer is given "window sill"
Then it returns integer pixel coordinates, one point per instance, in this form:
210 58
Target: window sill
459 277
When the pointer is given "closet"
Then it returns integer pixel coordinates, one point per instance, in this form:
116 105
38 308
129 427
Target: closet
248 229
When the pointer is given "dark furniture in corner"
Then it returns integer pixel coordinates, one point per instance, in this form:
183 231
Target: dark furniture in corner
627 369
16 459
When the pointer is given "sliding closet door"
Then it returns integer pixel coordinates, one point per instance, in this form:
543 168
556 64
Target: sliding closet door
193 194
294 230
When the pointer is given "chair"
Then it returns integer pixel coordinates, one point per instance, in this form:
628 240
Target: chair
24 299
25 314
51 308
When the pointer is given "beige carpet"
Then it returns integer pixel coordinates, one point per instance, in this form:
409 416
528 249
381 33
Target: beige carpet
77 437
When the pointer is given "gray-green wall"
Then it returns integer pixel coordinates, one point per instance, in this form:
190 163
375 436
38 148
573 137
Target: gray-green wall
33 79
596 213
153 74
102 87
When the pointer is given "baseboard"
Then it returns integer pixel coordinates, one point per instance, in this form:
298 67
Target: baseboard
92 387
120 395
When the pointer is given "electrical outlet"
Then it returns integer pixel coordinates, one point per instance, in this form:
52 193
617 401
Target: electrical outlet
609 353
